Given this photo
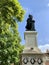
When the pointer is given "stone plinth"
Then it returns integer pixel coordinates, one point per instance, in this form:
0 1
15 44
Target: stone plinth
31 42
30 39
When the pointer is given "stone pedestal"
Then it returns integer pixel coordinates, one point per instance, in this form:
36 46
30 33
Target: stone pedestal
30 39
31 42
31 54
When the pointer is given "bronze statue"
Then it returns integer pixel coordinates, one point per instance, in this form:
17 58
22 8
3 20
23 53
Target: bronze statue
30 24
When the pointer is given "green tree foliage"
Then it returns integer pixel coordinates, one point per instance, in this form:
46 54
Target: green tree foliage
10 47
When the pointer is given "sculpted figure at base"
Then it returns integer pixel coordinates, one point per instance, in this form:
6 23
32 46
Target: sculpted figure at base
30 26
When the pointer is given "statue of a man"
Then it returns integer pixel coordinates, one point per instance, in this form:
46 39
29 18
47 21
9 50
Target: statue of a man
30 24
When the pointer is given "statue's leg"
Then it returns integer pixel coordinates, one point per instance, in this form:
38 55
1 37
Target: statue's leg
33 27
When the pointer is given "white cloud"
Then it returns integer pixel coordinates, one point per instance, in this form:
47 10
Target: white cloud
48 4
44 47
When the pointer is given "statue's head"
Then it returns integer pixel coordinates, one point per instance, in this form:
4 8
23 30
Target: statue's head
30 16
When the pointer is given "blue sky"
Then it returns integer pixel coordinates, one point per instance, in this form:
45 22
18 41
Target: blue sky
40 11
